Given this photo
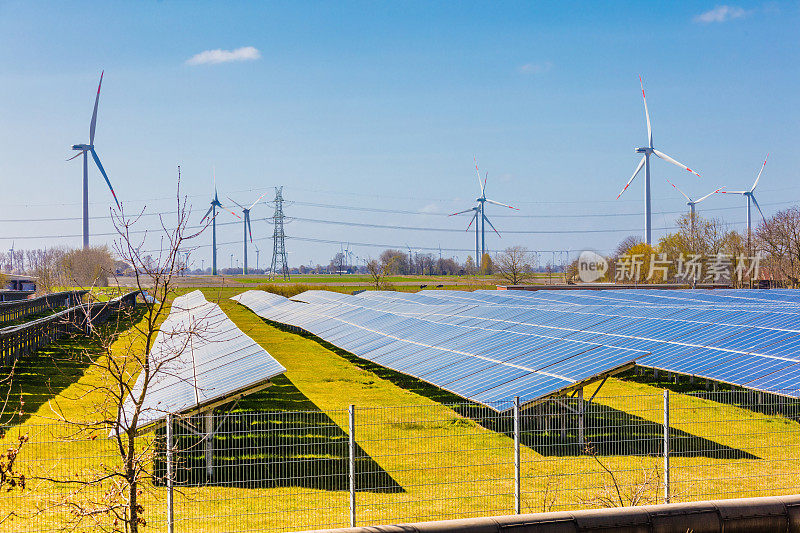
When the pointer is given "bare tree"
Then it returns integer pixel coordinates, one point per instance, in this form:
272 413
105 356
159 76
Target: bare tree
641 488
379 271
780 238
513 264
10 477
121 399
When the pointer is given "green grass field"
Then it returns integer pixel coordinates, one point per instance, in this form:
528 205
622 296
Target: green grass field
420 456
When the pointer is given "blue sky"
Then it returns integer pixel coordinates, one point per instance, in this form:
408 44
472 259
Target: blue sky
384 106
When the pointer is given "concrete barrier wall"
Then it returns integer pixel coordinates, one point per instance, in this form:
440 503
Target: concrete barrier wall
749 515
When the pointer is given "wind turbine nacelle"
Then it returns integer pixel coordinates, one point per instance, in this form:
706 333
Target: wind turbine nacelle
81 147
644 150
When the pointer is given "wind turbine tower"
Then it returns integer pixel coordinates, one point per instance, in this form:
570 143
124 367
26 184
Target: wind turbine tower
646 152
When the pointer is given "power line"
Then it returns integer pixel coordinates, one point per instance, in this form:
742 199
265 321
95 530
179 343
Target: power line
422 213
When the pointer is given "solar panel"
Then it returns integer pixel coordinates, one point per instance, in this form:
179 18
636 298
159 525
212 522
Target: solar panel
199 358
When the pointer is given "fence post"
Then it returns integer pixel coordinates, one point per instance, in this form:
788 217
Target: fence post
351 411
208 417
170 476
517 466
581 421
666 445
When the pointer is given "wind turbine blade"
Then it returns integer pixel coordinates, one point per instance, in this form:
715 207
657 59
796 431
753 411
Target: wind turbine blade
478 172
498 203
74 156
234 201
647 115
709 194
492 225
93 124
485 179
759 174
249 228
464 211
733 192
207 213
474 217
229 211
254 203
758 207
667 158
680 191
638 168
103 172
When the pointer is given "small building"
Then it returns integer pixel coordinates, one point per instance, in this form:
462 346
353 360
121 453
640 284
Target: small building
16 282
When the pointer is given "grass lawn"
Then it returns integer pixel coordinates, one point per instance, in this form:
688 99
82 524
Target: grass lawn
419 457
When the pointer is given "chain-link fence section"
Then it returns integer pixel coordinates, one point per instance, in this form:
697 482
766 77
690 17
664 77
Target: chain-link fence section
294 470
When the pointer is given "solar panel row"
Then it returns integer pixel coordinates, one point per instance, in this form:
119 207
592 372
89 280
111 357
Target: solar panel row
486 365
749 338
198 358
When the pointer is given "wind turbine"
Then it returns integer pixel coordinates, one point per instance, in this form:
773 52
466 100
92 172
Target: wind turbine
750 195
215 203
480 216
691 203
645 162
85 149
248 229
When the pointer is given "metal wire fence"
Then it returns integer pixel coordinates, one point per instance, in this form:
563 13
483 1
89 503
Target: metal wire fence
295 470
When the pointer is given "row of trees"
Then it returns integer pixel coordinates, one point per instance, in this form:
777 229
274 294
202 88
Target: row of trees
771 252
64 267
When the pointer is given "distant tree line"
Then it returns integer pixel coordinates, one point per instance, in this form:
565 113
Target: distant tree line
65 267
773 248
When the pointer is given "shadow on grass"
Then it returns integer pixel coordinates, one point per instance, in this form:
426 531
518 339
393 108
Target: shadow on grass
607 430
756 401
274 438
39 377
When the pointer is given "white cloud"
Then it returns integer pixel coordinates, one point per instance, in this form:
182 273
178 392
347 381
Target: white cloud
535 68
430 208
212 57
721 13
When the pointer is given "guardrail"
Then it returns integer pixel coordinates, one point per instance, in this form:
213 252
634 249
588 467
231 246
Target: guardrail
18 341
748 515
15 310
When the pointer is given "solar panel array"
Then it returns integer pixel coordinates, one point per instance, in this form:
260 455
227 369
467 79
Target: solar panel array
462 354
492 345
199 358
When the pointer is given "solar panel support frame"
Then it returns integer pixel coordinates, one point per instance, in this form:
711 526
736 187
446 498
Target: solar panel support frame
158 424
566 391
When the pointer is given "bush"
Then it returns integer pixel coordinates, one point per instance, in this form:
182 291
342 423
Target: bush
89 267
